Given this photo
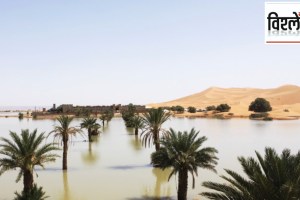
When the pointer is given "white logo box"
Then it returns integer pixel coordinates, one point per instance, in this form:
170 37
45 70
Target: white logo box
288 17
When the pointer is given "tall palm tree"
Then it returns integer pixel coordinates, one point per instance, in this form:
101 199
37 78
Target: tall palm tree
25 152
182 152
64 132
153 120
272 177
137 123
91 125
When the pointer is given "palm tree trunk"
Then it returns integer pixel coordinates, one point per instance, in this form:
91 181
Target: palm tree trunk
156 141
136 131
90 135
65 154
27 180
182 184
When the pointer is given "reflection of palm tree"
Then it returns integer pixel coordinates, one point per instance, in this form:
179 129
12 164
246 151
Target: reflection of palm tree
90 157
161 178
136 143
66 186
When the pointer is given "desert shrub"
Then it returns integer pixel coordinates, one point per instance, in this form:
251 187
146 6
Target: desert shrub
260 105
192 109
210 108
230 114
286 110
223 108
177 109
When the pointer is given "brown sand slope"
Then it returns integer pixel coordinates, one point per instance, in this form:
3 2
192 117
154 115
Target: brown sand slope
281 98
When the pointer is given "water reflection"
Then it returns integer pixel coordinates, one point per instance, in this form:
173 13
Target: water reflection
161 191
136 143
66 195
162 177
90 157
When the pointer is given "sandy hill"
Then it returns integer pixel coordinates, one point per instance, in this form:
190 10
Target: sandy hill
281 98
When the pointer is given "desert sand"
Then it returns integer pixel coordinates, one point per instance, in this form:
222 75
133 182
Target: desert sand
285 100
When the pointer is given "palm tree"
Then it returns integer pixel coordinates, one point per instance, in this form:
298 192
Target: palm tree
91 125
36 193
106 116
272 177
63 132
25 152
182 152
137 123
153 120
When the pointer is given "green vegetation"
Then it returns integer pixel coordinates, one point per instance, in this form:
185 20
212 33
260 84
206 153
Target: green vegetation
137 123
36 193
34 115
177 109
210 108
223 108
106 116
260 105
271 177
25 151
21 115
182 152
192 109
153 120
91 125
128 114
63 132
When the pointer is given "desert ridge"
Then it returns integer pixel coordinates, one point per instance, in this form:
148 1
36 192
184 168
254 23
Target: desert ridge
285 100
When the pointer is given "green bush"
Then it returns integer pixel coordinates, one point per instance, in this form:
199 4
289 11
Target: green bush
223 108
192 109
260 105
177 109
210 108
128 114
21 115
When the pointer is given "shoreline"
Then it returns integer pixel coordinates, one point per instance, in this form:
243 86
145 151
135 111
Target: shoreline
209 115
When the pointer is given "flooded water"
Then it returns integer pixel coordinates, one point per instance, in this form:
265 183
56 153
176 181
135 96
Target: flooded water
116 166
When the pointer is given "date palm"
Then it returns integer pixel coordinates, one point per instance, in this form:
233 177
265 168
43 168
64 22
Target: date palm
25 151
183 153
137 123
91 125
63 132
153 120
36 193
271 177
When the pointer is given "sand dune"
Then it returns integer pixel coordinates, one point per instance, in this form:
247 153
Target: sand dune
281 98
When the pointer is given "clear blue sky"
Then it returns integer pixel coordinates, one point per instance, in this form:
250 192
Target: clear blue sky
105 52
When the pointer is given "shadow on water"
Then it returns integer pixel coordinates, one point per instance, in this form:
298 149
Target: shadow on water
151 198
128 167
